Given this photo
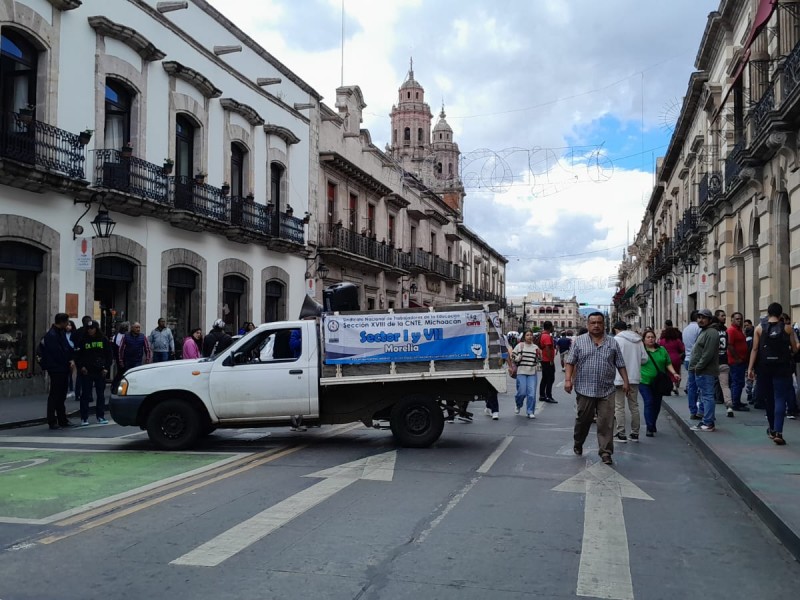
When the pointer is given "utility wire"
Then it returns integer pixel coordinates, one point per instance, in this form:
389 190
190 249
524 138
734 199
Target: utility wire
514 256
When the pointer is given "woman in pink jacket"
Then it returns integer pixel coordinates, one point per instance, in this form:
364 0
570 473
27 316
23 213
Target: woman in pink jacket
672 342
192 344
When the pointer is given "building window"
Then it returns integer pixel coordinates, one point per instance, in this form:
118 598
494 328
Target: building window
185 132
413 238
353 212
370 303
331 203
419 135
234 302
117 129
276 172
433 243
238 157
18 61
407 136
370 219
391 230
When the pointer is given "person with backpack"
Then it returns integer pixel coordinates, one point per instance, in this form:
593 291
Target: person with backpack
93 359
771 363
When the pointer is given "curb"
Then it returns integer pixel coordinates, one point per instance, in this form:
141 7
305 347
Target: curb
32 422
786 535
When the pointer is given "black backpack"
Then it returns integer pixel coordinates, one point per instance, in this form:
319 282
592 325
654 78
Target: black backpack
775 347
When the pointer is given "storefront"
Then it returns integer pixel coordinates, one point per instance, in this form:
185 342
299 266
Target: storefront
20 265
113 278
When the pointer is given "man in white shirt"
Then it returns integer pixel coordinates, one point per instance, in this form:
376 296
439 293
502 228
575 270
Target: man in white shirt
634 355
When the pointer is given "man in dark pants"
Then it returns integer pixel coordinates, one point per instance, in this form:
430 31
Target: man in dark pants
93 358
548 363
77 336
56 359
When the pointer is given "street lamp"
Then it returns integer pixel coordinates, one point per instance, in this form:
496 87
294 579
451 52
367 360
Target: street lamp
102 225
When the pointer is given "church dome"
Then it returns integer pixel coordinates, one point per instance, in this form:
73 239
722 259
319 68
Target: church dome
442 124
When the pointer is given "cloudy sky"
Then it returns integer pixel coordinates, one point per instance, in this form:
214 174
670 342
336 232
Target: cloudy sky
560 108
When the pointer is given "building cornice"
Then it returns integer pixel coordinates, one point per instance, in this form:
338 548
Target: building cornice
127 35
466 232
192 77
339 163
248 112
282 132
66 4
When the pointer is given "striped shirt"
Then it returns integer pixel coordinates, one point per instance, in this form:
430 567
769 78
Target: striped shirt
595 365
527 358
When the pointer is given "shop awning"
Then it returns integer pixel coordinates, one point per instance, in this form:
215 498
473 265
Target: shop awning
631 291
763 14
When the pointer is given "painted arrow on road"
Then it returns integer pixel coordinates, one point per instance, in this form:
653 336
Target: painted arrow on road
335 479
605 569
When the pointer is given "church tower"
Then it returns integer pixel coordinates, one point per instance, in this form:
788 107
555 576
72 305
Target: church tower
432 156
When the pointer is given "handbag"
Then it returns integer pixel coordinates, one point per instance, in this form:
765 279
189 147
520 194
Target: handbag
662 384
512 367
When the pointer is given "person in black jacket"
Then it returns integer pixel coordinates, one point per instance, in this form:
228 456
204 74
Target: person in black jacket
56 359
93 358
217 340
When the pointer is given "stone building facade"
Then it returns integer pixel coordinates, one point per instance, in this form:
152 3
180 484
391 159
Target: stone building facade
722 226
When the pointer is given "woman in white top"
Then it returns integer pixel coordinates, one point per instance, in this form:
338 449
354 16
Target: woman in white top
527 355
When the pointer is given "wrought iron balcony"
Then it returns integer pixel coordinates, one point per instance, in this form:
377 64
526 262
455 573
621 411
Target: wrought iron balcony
36 143
468 292
198 198
359 244
791 72
762 110
130 175
710 187
249 214
291 229
733 165
421 261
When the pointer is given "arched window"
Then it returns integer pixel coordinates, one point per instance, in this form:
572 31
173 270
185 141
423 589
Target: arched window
118 115
238 154
18 61
419 134
407 135
234 296
274 302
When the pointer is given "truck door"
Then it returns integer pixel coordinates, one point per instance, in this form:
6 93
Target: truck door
266 377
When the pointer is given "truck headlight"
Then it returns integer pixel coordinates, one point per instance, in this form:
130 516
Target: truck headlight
122 390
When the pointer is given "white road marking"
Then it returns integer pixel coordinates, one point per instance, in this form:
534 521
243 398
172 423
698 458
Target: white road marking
450 506
489 462
236 539
605 570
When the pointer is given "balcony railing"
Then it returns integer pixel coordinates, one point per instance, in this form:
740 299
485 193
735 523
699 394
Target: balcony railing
791 72
762 109
198 198
291 228
732 164
359 244
130 175
421 260
35 143
249 214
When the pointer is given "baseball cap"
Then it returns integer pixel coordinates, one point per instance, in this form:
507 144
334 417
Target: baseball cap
704 312
219 324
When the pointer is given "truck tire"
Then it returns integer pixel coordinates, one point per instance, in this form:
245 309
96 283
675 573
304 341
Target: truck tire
173 425
416 421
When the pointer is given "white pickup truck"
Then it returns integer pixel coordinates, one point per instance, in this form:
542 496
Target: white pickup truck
406 368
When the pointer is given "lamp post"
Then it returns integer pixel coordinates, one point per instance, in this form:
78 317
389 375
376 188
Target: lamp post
102 225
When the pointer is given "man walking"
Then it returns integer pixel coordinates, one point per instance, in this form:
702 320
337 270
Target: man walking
548 363
738 359
591 367
690 333
135 348
634 355
771 361
93 358
56 359
161 342
723 379
563 344
704 365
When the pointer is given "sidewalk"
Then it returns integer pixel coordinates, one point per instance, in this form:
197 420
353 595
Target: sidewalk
766 476
29 410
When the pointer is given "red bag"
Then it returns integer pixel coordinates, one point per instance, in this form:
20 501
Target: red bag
512 367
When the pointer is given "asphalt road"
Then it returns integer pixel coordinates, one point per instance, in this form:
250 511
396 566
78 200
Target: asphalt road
269 514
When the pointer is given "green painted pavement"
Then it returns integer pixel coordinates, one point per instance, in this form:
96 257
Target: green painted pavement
36 484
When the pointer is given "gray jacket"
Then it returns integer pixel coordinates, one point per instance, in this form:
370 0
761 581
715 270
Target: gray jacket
162 340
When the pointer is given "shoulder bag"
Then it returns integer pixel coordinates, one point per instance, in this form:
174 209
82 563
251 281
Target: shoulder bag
662 384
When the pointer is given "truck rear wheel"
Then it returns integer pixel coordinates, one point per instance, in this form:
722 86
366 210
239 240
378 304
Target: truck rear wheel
173 425
416 421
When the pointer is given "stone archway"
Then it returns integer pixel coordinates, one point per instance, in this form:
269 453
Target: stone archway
132 251
181 257
275 275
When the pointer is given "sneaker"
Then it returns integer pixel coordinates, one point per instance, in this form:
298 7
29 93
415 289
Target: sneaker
650 434
71 396
102 421
495 416
606 458
634 437
465 418
696 427
696 417
447 420
516 411
778 439
792 416
84 423
708 427
620 437
487 412
577 449
730 412
531 416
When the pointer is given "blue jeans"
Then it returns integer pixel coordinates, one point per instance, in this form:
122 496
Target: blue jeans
652 406
691 389
98 382
160 357
706 389
775 390
526 389
737 374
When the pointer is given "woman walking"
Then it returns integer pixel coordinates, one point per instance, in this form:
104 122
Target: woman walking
193 344
659 362
671 341
527 355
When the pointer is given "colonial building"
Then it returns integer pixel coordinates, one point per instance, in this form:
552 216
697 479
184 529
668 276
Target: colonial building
721 229
170 123
533 309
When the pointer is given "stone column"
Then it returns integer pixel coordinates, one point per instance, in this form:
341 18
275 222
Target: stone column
788 14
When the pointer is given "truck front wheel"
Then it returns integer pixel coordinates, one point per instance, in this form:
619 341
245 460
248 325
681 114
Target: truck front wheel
173 425
416 421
